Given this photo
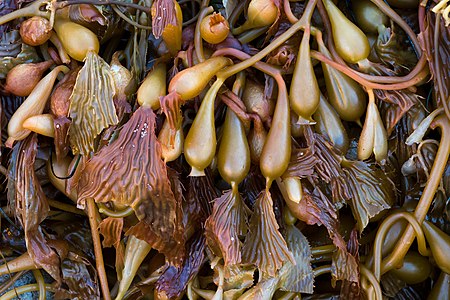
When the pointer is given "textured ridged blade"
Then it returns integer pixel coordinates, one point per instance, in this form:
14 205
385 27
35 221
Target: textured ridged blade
130 172
297 278
264 245
91 104
224 226
372 191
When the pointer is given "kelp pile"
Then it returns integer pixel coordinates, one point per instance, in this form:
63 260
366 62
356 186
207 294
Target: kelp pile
263 149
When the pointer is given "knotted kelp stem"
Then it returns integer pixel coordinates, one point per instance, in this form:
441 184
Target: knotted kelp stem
372 280
437 171
381 234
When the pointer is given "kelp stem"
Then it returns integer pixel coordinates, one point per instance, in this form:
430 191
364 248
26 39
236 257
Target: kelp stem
369 84
287 10
322 270
11 281
41 284
65 207
25 289
373 281
321 250
302 23
28 11
197 37
21 263
91 210
437 171
103 209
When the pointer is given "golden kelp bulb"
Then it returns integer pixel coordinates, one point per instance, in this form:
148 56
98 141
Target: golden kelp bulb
170 149
439 243
345 95
415 269
256 140
368 16
41 124
135 253
351 43
329 124
260 13
293 187
33 105
373 136
200 142
214 28
191 81
234 154
276 152
58 169
153 87
255 100
76 39
304 93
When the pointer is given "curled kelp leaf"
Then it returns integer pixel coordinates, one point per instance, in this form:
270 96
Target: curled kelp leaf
111 229
124 84
344 267
90 17
295 278
264 245
351 290
91 104
224 226
394 105
302 163
372 191
329 169
173 281
437 52
31 206
392 48
201 193
130 172
81 278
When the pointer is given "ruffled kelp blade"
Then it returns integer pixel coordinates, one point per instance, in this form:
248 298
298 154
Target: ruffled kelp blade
316 209
91 104
298 277
224 227
31 206
264 245
372 191
130 172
